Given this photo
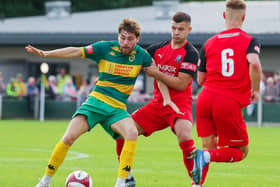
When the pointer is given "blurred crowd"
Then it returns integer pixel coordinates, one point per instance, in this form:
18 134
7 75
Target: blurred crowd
270 87
60 87
63 87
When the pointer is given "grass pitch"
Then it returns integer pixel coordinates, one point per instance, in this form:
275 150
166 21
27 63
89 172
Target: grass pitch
25 148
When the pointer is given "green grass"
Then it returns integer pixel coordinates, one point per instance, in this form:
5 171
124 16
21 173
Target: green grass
25 147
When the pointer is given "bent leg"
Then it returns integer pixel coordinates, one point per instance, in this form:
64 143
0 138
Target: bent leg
76 127
120 141
129 132
183 131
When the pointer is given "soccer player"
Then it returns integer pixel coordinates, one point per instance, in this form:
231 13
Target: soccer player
177 60
230 72
119 63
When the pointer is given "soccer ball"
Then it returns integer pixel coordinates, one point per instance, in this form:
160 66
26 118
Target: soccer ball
78 178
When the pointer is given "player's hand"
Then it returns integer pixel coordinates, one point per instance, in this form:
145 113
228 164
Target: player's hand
254 96
152 70
173 106
35 51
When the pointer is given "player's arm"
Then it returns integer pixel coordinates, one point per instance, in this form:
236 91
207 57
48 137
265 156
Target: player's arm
255 68
166 97
186 72
201 73
67 52
178 83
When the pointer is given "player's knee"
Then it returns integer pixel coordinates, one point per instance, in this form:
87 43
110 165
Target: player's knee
68 139
183 130
209 143
130 133
245 151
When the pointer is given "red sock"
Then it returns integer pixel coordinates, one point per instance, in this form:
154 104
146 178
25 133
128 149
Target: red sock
119 146
187 148
204 173
226 154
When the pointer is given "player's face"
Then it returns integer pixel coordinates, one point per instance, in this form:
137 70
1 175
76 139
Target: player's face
180 31
127 42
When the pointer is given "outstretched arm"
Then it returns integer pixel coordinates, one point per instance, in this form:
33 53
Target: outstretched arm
166 97
67 52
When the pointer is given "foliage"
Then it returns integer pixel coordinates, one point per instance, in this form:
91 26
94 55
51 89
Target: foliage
16 8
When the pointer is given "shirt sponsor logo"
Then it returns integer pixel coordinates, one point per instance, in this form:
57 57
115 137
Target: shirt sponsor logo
89 49
167 68
188 66
119 69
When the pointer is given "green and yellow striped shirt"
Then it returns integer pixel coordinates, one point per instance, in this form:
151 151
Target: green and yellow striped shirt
117 72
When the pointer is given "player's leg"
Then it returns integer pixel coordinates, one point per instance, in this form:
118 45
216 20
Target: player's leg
120 141
77 126
183 131
231 131
130 180
147 120
208 143
129 132
206 129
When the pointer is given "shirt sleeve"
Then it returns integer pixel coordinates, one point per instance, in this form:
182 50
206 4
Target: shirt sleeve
202 63
254 46
147 59
190 61
154 47
94 51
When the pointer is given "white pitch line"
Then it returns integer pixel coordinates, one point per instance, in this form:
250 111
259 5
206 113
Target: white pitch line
72 155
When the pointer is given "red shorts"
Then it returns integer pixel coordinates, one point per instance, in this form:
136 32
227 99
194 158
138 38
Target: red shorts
154 116
221 116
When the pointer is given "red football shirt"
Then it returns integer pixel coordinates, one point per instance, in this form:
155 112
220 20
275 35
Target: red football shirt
172 61
224 59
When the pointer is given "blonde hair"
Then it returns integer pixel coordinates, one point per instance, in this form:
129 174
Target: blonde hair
236 4
130 25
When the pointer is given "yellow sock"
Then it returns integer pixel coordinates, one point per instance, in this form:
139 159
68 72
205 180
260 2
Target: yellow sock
58 155
126 159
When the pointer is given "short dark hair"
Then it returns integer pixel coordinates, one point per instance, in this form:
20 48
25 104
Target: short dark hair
130 25
236 4
181 16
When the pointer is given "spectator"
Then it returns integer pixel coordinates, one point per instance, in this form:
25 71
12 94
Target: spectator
61 80
20 86
69 92
52 91
277 84
250 109
195 88
2 86
11 89
137 95
93 81
270 91
84 91
32 91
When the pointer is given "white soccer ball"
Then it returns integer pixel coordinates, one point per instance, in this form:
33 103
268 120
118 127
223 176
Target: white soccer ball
78 178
